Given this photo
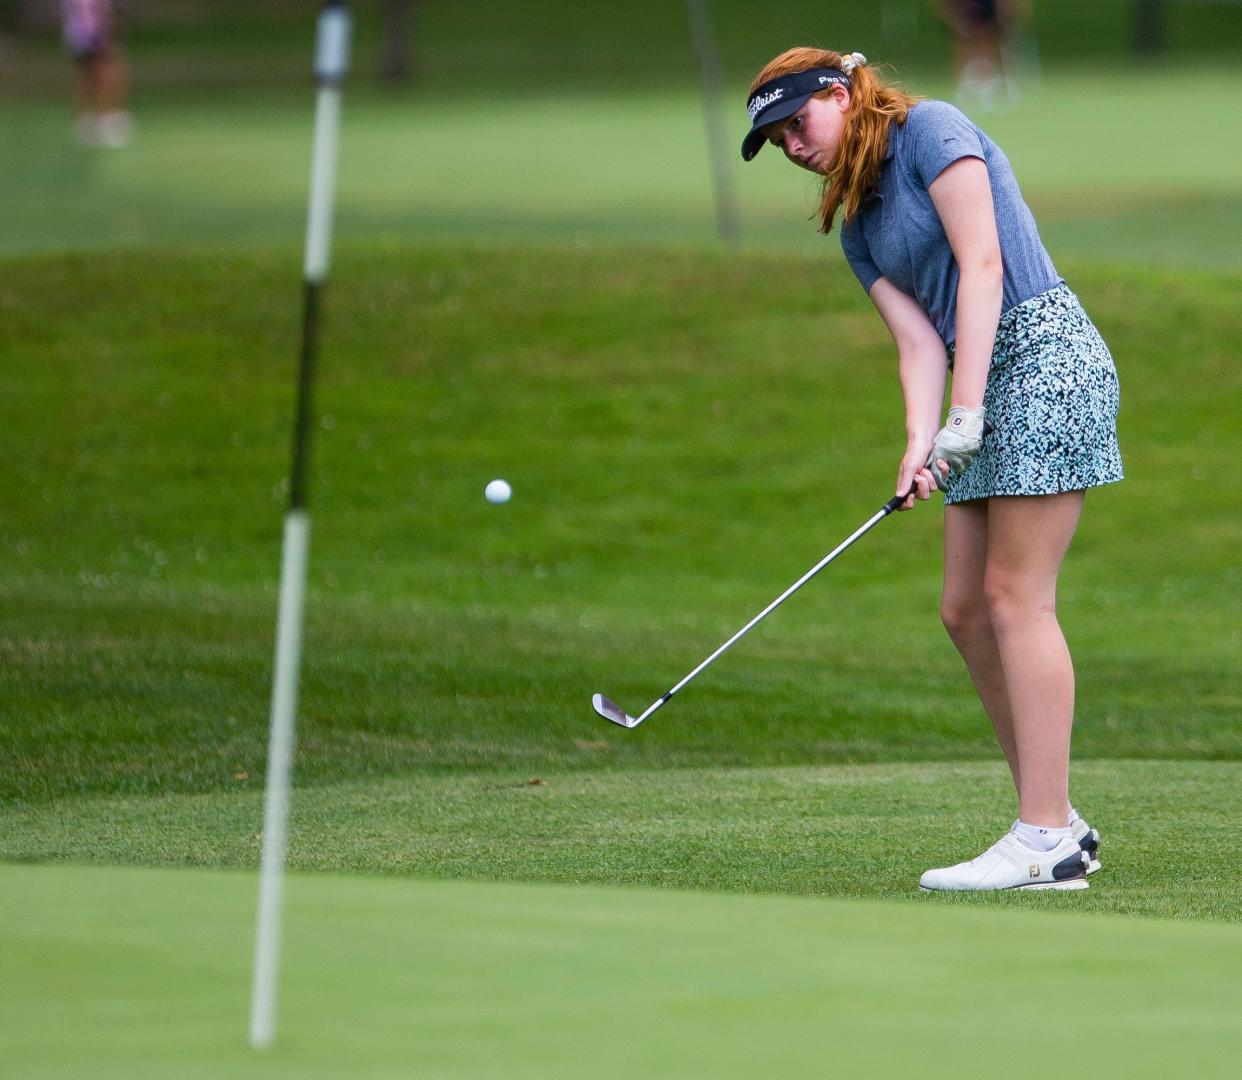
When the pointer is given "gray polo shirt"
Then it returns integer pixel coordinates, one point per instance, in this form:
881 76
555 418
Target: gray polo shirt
897 233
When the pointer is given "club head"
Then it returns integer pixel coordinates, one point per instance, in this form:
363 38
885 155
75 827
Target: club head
610 710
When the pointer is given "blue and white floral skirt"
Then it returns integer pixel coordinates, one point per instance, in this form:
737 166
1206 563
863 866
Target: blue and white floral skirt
1052 395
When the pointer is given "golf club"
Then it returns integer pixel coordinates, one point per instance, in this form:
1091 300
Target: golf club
613 712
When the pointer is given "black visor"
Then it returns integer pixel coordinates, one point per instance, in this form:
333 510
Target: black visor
779 98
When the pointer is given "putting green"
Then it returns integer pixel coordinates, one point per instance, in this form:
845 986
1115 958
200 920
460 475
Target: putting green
126 972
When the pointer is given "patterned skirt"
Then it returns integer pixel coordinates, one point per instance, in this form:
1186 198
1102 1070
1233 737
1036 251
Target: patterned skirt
1052 394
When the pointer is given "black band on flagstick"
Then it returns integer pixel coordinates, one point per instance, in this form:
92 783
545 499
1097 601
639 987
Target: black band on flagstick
306 383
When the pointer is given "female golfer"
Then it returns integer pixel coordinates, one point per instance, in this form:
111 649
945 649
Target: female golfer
936 231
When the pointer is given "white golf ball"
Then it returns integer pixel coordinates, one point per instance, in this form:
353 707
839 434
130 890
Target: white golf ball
498 491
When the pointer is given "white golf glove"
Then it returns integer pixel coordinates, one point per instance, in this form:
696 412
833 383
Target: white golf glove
958 442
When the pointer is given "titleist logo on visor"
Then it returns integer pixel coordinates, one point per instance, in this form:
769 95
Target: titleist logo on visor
762 101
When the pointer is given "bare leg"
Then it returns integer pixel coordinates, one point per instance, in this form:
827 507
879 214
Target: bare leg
113 82
86 91
965 613
1027 537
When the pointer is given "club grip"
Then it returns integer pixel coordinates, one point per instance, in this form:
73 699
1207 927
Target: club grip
897 500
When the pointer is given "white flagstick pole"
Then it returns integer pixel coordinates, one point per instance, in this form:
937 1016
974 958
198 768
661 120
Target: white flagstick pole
331 61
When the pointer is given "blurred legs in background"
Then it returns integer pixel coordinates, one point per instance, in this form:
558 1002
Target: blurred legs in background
102 90
994 54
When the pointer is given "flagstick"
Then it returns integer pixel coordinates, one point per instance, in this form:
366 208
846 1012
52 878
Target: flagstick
331 58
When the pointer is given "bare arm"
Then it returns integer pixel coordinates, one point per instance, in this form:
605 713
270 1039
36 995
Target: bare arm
922 367
962 196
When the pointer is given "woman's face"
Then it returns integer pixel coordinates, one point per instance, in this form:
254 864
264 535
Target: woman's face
812 136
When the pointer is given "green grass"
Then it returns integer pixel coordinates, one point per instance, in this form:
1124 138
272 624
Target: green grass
524 285
659 502
388 979
843 831
673 420
660 499
589 165
589 127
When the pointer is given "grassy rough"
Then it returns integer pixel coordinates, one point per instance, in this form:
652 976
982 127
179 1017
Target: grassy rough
660 500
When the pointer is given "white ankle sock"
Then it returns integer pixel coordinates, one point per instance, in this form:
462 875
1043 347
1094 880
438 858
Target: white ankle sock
1073 816
1039 837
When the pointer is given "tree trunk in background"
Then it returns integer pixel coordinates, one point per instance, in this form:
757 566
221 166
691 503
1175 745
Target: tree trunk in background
1149 26
711 76
396 57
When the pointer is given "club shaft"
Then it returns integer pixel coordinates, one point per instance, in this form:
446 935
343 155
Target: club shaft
877 517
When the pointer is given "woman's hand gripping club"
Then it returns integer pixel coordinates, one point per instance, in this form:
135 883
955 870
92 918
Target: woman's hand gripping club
955 446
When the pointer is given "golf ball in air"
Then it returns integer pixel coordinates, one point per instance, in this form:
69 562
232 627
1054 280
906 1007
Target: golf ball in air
498 491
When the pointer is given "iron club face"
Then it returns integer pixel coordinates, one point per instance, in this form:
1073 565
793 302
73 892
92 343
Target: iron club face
610 710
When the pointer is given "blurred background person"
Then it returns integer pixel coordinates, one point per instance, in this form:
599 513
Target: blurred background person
993 55
102 91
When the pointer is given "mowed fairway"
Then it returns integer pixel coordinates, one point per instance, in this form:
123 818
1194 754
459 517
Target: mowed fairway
856 831
144 973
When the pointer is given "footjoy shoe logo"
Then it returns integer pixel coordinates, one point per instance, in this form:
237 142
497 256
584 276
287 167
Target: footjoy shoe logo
1034 868
760 103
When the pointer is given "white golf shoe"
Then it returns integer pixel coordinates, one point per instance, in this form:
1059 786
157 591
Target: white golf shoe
1010 864
1089 840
